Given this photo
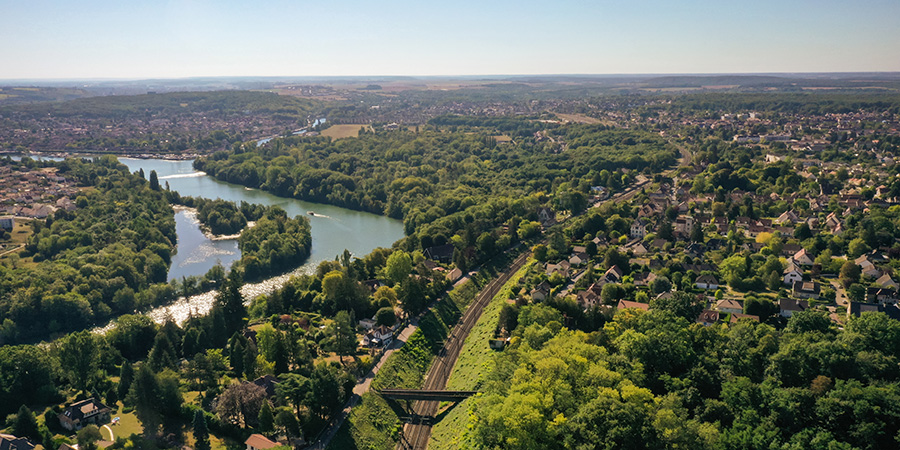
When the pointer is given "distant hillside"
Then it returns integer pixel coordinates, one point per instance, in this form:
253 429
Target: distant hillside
23 94
168 105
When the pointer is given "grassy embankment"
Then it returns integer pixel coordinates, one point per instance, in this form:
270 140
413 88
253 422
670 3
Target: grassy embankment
451 429
374 423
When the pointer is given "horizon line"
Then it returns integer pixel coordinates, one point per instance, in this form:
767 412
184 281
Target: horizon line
275 77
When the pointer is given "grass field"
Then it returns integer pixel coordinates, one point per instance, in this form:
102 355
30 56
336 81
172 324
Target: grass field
451 429
345 130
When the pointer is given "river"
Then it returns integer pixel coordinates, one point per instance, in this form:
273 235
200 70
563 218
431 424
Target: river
333 230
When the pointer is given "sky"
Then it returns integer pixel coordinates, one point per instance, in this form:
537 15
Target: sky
65 39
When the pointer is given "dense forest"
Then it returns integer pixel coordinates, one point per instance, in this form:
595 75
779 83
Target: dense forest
448 184
657 380
109 256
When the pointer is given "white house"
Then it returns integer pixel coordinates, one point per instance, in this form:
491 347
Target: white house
638 229
792 273
707 282
802 258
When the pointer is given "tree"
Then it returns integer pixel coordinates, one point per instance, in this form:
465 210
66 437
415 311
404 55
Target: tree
666 231
680 304
697 232
144 396
385 316
807 321
266 419
126 377
287 422
540 252
398 266
25 425
88 437
78 354
294 389
857 247
162 356
661 284
169 400
344 335
240 404
154 180
610 293
232 302
237 358
849 273
201 432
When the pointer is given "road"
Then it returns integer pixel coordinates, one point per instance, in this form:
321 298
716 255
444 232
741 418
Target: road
362 386
417 432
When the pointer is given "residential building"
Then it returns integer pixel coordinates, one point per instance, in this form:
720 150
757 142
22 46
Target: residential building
82 413
788 306
707 282
10 442
730 306
259 442
638 229
629 304
805 289
792 273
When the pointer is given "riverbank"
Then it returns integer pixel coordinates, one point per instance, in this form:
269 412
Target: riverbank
205 230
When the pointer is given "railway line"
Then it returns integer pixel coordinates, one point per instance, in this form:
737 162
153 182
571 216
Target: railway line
417 431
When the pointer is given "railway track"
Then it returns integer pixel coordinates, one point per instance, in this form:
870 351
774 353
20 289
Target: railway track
417 432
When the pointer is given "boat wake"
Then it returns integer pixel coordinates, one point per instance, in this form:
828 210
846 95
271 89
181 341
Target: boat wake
184 175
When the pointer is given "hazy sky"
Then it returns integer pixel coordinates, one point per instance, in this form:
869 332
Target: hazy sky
178 38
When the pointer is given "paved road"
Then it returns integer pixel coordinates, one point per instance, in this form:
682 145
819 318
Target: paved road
362 386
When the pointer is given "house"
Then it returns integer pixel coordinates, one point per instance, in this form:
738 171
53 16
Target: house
380 336
563 269
803 258
644 279
640 249
367 324
789 306
738 316
629 304
578 259
454 275
7 223
613 275
868 268
541 292
638 229
787 217
881 295
708 317
886 281
546 216
10 442
440 253
588 299
707 282
792 273
857 308
684 225
805 289
790 249
658 244
267 382
730 306
82 413
259 442
694 249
